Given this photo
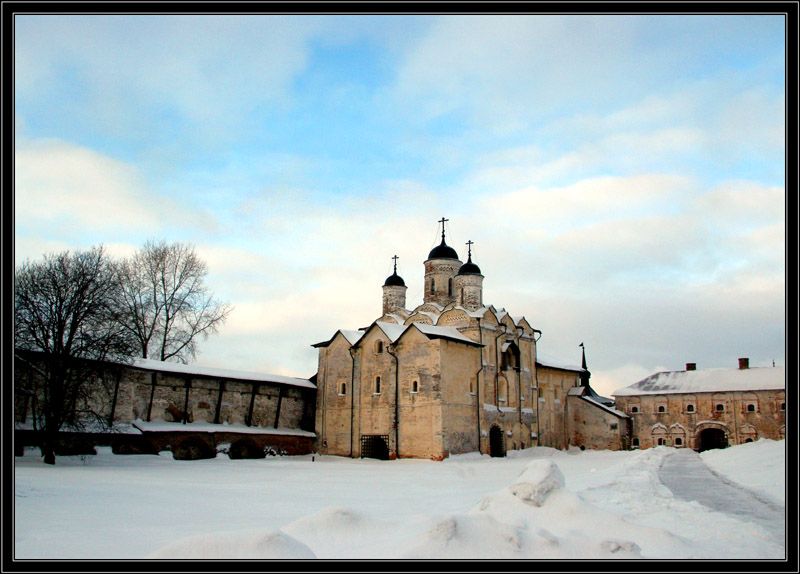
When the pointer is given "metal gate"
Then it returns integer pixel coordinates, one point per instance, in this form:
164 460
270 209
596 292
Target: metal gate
375 446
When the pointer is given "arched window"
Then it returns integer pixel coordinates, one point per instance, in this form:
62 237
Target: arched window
635 410
343 389
748 440
678 441
661 442
449 287
689 408
501 391
377 385
751 408
433 285
720 407
414 387
379 346
662 409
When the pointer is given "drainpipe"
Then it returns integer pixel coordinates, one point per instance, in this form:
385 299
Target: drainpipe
497 365
396 400
536 378
519 378
478 385
352 350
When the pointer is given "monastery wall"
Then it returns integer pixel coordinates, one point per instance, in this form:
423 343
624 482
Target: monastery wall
594 428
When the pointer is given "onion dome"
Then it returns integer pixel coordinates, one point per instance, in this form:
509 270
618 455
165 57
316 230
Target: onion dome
394 280
443 250
469 268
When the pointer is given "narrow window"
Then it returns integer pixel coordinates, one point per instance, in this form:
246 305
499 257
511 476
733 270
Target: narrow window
433 282
414 387
678 441
379 346
449 287
783 406
343 389
720 408
662 409
661 442
377 385
689 408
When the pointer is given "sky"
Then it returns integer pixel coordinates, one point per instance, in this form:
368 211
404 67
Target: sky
622 177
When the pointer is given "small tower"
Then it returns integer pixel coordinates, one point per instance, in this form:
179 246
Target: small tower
469 284
440 272
585 374
394 291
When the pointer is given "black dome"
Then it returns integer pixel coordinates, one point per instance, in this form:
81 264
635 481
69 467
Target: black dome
469 268
394 280
443 251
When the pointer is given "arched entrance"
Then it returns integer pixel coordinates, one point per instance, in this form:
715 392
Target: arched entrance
496 442
711 438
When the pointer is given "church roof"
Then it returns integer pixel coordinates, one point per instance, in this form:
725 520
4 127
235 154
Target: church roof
394 280
708 381
552 362
469 268
443 251
394 332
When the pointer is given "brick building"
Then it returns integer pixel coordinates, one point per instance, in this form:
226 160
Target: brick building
702 409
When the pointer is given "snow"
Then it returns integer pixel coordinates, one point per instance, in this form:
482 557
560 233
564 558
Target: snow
539 503
708 381
166 367
160 425
555 363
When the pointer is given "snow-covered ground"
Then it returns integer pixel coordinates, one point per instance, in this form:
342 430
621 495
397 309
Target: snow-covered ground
539 503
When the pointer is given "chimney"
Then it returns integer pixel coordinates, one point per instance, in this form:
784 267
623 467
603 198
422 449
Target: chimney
691 366
744 363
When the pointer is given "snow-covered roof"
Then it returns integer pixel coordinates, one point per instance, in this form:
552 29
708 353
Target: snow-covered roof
550 361
229 374
202 426
708 381
395 331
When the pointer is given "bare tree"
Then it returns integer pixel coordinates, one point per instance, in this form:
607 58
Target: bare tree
66 325
168 306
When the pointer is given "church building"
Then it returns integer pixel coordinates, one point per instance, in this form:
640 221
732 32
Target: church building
451 375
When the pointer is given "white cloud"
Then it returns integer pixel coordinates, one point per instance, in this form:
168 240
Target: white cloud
59 186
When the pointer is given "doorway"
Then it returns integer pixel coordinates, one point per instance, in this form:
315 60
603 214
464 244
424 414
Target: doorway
711 438
496 442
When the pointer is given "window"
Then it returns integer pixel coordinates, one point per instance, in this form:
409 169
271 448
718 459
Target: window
343 389
501 391
678 441
635 410
662 409
377 385
751 408
450 288
415 387
689 408
433 286
720 407
661 442
614 426
748 440
635 443
379 346
783 406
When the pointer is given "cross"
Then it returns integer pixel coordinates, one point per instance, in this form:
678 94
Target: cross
442 221
469 247
395 263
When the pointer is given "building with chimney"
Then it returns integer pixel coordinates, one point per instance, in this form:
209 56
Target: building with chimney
451 375
705 409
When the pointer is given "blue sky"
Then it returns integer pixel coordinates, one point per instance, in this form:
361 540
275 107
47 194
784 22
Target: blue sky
622 177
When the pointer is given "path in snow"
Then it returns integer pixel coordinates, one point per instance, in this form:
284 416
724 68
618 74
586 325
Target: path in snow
688 477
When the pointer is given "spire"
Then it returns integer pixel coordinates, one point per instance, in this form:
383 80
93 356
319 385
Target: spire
585 373
583 356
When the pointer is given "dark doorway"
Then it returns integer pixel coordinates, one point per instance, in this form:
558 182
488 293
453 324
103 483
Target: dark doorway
496 442
711 438
375 446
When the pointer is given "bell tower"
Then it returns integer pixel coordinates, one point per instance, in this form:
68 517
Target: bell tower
394 291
